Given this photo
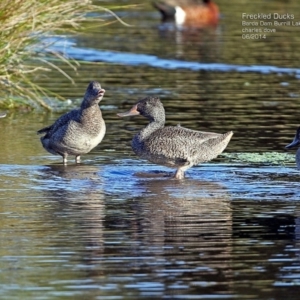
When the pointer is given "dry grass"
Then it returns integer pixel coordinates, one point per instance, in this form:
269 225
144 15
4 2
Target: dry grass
23 24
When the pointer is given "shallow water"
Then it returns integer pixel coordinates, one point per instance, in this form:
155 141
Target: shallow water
117 227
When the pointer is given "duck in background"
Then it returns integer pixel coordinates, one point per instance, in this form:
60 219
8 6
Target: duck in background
173 146
78 131
294 143
193 14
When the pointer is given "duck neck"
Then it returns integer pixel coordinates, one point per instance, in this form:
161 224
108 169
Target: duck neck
90 112
151 127
87 105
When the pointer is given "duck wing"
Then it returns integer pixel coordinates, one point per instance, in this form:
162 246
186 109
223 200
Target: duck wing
63 120
180 135
182 145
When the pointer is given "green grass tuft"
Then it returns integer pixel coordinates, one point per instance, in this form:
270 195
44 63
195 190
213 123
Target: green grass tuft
23 23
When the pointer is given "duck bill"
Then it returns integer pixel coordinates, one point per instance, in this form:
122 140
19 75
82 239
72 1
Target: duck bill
132 112
294 143
101 92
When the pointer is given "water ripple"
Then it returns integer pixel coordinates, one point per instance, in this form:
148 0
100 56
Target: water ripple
69 49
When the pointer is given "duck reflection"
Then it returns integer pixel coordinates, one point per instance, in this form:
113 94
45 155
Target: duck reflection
202 44
195 32
167 218
78 171
75 205
188 232
184 212
178 227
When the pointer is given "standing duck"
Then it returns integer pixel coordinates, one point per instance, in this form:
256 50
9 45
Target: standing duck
78 131
173 146
294 143
189 13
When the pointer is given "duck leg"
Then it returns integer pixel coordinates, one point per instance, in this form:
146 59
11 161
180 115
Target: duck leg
65 159
180 171
77 159
179 174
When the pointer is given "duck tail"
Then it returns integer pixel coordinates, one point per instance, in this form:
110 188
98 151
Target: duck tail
228 135
44 130
226 139
167 11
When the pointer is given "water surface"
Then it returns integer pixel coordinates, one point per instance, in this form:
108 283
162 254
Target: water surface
117 227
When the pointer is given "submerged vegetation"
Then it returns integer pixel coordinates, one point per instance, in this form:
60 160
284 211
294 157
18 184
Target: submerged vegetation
266 158
24 27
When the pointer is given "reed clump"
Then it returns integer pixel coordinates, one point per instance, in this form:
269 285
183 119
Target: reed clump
24 27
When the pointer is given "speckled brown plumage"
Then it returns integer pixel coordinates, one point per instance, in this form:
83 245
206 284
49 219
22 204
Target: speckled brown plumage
78 131
173 146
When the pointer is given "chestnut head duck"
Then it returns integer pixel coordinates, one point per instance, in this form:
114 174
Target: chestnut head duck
197 14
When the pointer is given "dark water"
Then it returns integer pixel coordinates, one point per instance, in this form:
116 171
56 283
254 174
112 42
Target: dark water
117 227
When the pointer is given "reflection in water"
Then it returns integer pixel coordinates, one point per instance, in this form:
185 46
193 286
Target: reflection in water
50 229
76 196
266 246
178 227
203 44
80 171
173 205
207 43
98 231
86 230
75 213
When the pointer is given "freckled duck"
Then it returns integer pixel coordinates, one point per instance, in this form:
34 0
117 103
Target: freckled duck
294 143
78 131
189 13
173 146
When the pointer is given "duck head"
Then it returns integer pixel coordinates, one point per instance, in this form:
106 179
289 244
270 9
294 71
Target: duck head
93 95
296 140
149 107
